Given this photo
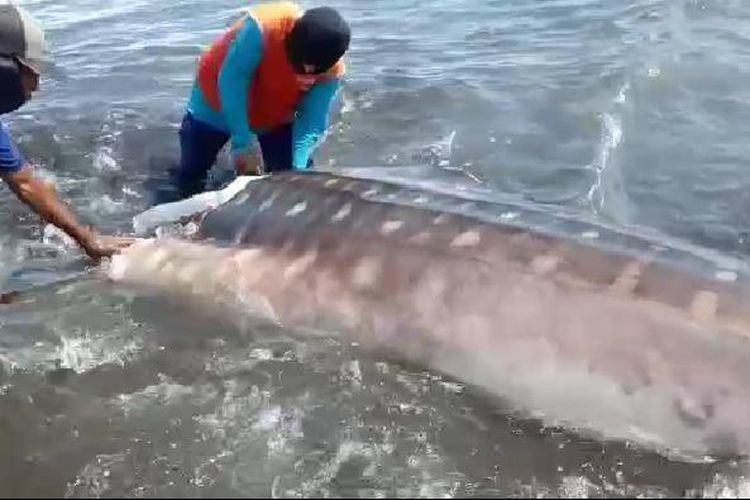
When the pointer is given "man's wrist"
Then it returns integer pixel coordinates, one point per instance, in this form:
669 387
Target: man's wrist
84 236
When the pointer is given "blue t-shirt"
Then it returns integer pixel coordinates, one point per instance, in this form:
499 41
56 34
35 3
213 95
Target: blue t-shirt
11 159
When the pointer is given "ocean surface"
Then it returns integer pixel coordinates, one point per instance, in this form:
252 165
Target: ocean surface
635 111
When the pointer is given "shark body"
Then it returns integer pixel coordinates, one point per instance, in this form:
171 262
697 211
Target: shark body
626 338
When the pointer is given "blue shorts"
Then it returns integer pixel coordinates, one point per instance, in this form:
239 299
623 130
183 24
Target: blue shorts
200 144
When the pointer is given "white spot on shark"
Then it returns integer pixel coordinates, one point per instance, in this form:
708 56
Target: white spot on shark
704 305
421 199
440 219
287 246
590 235
343 213
467 239
628 278
241 199
543 264
370 192
509 215
301 264
391 226
421 238
431 288
366 272
242 264
268 203
240 235
297 209
260 306
331 182
727 276
249 257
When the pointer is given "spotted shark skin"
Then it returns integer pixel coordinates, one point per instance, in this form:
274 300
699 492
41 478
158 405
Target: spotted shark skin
622 345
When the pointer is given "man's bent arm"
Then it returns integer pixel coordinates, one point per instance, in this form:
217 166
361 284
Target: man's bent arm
235 77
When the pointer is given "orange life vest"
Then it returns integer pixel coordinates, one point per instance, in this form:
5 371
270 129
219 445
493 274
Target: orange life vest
274 92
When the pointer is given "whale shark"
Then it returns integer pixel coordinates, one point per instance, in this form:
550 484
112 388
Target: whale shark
604 329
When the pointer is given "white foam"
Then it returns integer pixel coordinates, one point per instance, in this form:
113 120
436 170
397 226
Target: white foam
117 268
86 352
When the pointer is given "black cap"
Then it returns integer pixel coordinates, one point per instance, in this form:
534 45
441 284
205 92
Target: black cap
319 38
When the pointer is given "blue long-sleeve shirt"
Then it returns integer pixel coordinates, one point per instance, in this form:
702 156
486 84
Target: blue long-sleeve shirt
235 77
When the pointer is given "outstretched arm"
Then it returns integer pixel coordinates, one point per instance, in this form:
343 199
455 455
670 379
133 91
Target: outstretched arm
41 197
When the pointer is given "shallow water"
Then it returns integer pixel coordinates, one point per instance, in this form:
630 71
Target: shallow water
632 111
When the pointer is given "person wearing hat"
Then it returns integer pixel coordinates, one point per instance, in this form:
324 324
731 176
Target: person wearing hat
22 48
266 86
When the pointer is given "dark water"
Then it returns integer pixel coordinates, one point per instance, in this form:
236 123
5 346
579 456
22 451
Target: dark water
634 111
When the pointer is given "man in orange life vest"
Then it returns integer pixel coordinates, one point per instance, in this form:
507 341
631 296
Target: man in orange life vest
268 84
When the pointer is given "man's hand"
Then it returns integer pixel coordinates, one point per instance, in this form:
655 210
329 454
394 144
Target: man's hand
105 246
249 163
